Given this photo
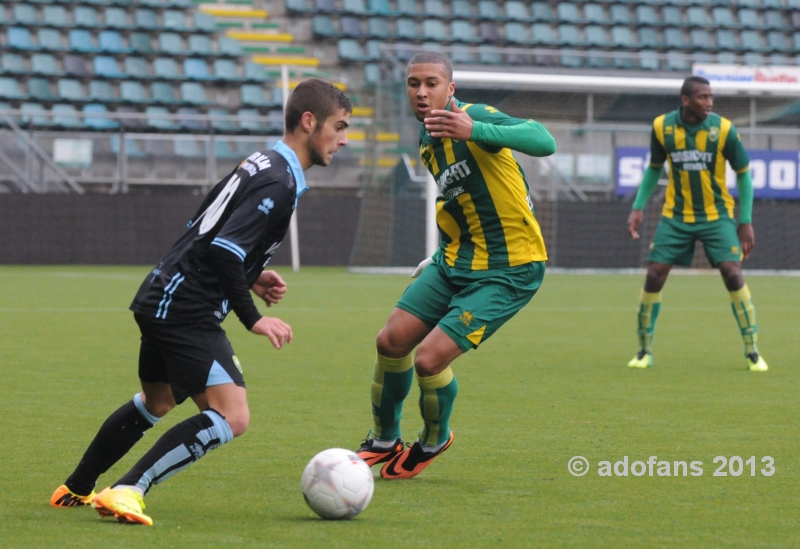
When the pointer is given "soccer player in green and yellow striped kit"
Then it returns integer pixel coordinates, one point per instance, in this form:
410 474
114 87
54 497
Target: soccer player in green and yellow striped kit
489 264
697 143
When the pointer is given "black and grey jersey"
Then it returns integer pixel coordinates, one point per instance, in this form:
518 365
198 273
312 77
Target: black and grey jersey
228 243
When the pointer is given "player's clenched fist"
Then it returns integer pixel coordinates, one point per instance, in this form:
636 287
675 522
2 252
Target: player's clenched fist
278 332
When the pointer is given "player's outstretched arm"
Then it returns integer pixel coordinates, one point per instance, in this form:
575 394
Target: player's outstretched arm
270 287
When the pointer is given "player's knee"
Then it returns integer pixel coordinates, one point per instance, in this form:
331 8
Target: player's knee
389 345
238 422
428 363
159 408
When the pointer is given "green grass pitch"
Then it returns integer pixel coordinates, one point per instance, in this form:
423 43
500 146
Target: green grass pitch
552 384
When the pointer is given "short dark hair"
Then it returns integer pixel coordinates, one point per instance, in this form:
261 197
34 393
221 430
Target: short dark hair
691 83
436 58
316 96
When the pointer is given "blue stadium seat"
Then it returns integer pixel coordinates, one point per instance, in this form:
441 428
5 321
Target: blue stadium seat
460 56
726 40
750 19
674 39
488 32
671 15
156 120
25 14
380 7
408 7
254 71
723 17
373 50
434 9
39 89
174 20
701 39
171 43
622 37
196 69
594 13
107 67
570 60
50 39
9 89
55 16
200 44
111 42
222 125
18 38
702 57
136 67
751 41
541 12
432 46
70 90
517 11
568 13
774 20
116 18
648 38
226 70
595 35
355 7
350 50
697 17
648 60
34 114
489 55
229 46
326 6
166 68
796 41
433 29
598 62
12 63
141 43
298 7
488 9
677 61
407 29
372 73
646 15
145 20
81 40
252 95
101 91
98 122
223 149
779 59
777 42
45 64
163 93
132 92
462 31
568 35
189 122
322 27
517 33
65 116
621 15
753 58
542 33
247 122
378 27
85 17
462 9
193 92
204 22
351 27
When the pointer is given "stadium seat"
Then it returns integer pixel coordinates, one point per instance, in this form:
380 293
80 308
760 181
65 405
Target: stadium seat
777 42
34 114
697 17
754 59
568 35
204 22
433 29
677 61
598 62
646 15
702 57
407 30
779 59
701 39
621 15
65 116
12 63
462 31
171 43
648 38
542 33
517 33
85 17
373 50
350 50
434 9
727 58
568 13
141 43
488 55
570 60
145 20
796 41
462 9
192 92
351 27
166 68
25 14
200 44
408 7
9 89
372 73
222 125
462 56
489 33
354 7
101 91
750 19
595 36
116 18
107 67
674 39
671 16
223 149
432 46
541 12
156 120
252 95
225 70
189 122
380 7
50 39
229 46
111 42
70 90
174 20
796 18
322 27
254 71
136 67
378 27
726 40
98 122
196 69
247 120
723 17
18 38
751 41
39 89
82 41
326 6
162 92
55 16
516 11
622 37
45 64
132 92
594 13
488 9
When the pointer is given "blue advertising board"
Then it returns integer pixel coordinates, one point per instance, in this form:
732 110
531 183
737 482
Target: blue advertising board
775 174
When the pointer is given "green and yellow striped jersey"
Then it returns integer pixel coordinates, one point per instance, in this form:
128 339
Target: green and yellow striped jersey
696 156
484 213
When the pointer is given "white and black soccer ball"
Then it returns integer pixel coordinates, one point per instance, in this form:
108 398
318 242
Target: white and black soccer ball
337 484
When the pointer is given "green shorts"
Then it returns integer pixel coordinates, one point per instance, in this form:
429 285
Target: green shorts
674 241
469 306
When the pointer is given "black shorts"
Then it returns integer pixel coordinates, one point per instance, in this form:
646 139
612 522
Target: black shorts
188 356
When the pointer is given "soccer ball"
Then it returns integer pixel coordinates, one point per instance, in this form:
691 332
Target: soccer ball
337 484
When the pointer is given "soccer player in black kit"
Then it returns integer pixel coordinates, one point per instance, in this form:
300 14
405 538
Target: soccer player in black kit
179 307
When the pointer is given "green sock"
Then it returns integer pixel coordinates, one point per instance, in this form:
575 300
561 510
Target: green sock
437 395
649 307
745 313
391 382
